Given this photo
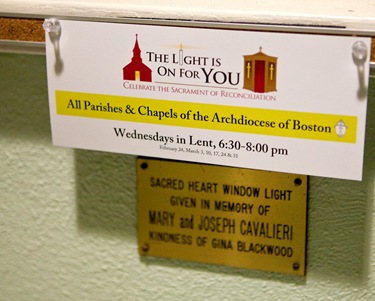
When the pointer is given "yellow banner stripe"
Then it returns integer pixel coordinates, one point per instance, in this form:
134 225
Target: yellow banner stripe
209 116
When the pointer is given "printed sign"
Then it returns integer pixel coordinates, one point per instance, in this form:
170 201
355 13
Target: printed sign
271 101
222 215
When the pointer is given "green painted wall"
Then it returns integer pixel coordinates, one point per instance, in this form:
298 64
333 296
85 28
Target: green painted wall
68 220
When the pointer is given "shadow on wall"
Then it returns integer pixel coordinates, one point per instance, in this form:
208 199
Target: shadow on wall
106 197
24 112
340 218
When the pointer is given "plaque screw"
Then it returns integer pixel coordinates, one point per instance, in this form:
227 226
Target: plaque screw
296 266
297 181
145 247
144 165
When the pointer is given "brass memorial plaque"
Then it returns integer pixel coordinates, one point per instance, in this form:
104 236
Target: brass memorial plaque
222 215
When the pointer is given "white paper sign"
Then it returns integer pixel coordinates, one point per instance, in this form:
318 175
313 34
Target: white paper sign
272 101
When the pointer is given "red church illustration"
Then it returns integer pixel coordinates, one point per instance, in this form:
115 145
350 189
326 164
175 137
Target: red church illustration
136 70
260 72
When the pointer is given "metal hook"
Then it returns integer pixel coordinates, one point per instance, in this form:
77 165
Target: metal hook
52 25
360 50
359 53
